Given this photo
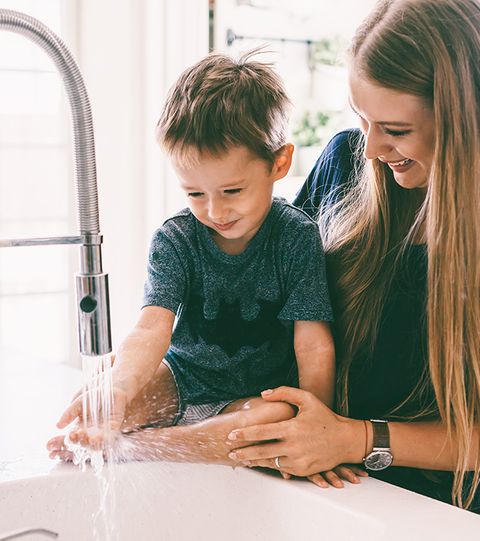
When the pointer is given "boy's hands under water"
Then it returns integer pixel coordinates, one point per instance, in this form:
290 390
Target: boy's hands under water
90 429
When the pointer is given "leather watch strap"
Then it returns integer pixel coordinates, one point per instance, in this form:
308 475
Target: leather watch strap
381 434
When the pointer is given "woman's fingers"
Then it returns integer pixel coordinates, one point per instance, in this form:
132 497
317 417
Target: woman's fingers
257 455
350 473
317 479
270 463
333 479
292 395
272 431
357 470
326 479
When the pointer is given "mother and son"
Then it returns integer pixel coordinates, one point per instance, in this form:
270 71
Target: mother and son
242 353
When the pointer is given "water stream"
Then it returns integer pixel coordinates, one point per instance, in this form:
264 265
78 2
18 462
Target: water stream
97 407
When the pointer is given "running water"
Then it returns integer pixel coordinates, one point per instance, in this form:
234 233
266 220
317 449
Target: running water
116 448
97 407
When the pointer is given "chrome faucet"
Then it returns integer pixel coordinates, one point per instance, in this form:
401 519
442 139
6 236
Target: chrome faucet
91 283
22 533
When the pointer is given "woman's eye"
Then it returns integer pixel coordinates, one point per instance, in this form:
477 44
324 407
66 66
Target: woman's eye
234 191
194 194
396 133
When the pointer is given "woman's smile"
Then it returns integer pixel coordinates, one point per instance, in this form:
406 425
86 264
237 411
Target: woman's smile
398 129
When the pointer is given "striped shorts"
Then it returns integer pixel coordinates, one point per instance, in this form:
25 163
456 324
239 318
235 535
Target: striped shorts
194 413
188 414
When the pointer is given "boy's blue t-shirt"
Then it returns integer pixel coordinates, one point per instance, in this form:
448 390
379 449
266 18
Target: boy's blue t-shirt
236 313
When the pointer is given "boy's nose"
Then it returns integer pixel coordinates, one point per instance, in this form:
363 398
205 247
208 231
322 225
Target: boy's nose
217 211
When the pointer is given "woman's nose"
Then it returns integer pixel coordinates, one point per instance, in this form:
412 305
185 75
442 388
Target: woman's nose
376 144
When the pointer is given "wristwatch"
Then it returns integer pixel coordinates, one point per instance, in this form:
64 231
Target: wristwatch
381 456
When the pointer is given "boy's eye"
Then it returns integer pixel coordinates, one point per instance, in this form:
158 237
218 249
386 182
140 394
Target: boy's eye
233 191
194 194
396 133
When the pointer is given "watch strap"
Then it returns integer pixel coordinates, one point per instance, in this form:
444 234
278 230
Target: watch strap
381 434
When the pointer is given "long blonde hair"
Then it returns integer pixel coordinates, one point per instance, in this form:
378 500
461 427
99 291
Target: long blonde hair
428 48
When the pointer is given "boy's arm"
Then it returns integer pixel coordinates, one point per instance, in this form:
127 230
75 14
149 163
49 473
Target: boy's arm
142 351
315 353
137 359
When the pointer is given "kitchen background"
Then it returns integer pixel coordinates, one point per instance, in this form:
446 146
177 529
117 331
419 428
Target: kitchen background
130 52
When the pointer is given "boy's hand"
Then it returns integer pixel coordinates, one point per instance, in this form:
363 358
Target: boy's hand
92 426
335 477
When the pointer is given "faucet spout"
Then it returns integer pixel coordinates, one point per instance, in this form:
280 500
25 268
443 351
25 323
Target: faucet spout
92 284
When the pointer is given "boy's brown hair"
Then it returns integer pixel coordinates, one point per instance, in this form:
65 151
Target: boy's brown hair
221 102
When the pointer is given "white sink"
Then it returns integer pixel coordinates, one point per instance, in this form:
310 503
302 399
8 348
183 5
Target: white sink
153 501
189 502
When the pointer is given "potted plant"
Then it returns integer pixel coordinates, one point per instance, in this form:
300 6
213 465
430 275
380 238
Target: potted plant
308 136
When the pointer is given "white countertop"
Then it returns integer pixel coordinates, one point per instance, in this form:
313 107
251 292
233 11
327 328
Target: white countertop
32 397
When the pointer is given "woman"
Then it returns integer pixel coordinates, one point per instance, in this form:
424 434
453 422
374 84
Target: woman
401 230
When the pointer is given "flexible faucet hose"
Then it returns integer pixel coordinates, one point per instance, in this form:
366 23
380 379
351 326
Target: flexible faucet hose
83 140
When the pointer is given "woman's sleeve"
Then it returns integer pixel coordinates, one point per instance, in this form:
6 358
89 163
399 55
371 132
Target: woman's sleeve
330 174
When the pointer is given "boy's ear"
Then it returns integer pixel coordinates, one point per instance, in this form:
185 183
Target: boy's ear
283 161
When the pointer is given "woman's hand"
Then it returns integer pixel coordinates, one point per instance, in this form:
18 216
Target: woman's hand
316 440
335 477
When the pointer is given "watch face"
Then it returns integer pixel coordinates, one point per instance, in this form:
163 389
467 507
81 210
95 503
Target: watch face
378 460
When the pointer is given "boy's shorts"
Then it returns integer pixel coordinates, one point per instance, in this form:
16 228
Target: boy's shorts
189 414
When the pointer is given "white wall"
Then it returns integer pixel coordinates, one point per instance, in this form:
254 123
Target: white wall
130 52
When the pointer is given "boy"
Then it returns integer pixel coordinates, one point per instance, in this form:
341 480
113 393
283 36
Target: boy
242 271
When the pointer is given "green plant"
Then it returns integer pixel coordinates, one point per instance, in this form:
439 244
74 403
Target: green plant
308 131
328 52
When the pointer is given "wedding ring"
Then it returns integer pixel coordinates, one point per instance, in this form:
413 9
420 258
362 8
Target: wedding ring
277 462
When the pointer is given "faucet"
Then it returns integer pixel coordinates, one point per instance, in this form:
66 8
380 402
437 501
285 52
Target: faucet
93 313
22 533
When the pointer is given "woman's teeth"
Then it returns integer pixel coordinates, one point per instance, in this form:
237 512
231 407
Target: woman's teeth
406 161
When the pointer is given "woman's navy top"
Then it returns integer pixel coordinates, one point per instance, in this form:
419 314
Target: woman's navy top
381 380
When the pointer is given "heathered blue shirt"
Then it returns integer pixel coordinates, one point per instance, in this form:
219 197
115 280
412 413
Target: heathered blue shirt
236 313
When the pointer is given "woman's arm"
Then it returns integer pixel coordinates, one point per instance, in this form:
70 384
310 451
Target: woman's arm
424 445
317 439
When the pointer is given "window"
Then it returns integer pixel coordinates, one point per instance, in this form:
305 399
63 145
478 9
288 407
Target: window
306 40
36 195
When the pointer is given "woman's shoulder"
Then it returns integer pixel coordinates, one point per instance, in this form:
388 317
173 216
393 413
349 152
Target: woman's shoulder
331 172
343 144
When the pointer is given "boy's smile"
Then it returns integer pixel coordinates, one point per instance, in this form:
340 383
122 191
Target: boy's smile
232 193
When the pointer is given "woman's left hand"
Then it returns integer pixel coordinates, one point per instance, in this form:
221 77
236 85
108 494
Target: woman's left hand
335 477
316 440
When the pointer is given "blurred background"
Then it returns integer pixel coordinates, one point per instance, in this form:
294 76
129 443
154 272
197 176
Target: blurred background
130 52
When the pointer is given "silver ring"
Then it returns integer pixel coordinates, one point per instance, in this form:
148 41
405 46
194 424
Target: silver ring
277 462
